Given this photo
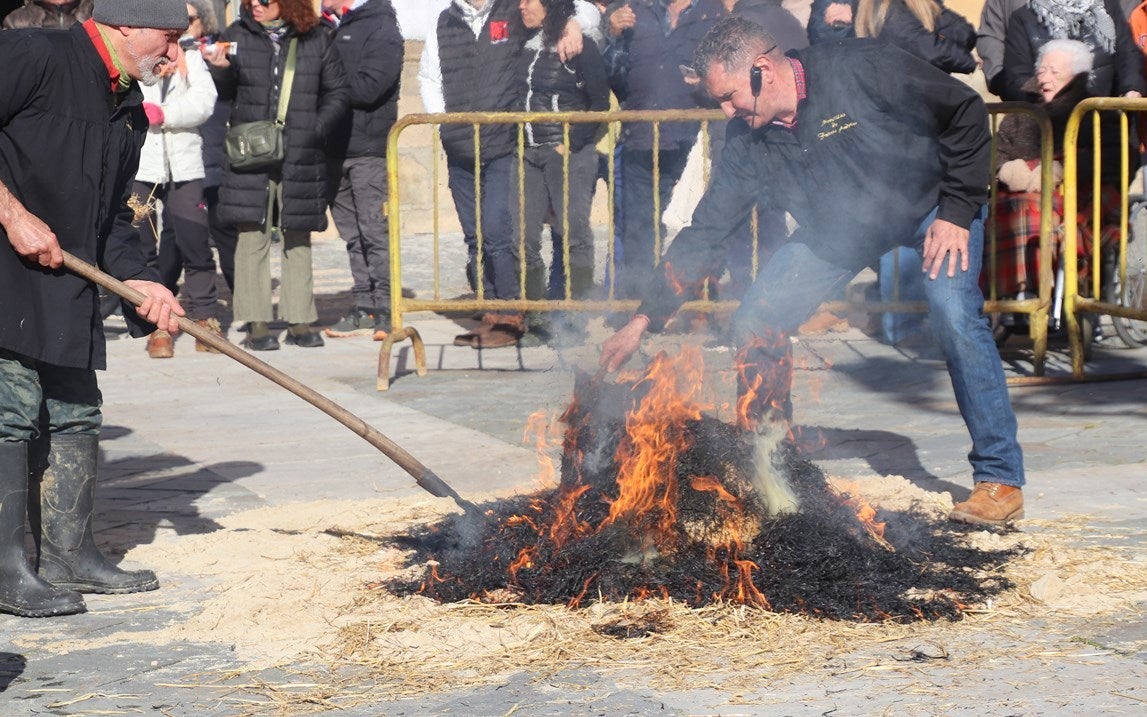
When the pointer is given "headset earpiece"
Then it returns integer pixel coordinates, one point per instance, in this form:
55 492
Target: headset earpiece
755 80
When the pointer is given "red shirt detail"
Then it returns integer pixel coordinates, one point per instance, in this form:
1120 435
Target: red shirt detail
802 88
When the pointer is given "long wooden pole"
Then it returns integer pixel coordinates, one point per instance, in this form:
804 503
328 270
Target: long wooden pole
426 478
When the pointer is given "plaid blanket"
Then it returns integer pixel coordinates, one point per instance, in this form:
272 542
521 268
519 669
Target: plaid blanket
1016 219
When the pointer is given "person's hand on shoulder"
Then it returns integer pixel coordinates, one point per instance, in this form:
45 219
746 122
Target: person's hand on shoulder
569 44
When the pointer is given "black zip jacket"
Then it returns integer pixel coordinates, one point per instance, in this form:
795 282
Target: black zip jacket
370 45
882 138
318 102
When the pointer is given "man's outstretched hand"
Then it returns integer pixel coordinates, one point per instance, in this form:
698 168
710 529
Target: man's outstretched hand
160 306
617 349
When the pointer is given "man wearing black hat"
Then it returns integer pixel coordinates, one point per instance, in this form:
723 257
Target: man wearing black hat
71 127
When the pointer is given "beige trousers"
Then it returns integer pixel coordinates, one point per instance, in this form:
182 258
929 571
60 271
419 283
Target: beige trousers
252 301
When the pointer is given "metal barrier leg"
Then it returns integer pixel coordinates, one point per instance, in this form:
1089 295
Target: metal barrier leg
384 351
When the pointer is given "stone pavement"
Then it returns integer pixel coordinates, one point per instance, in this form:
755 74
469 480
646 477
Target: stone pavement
191 440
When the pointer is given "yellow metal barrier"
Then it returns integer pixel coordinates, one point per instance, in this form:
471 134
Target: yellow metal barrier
401 305
1089 298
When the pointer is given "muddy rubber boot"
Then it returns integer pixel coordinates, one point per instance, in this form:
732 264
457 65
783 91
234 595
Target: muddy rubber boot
63 487
22 592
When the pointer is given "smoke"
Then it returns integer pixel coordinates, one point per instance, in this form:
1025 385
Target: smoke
770 475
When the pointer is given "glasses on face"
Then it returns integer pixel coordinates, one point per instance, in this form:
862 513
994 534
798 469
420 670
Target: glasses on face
192 18
267 3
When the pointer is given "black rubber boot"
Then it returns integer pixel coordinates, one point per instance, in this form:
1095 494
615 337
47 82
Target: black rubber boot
22 592
63 486
537 323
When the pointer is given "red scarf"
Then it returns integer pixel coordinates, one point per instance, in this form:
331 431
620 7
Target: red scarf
105 54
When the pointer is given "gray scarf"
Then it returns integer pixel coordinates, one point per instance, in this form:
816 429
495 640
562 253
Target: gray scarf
1076 20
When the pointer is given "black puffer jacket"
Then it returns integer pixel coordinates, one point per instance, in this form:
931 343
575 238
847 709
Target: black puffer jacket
1114 73
949 47
370 45
550 85
319 99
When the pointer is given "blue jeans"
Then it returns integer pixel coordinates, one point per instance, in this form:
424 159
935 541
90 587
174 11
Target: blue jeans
791 286
901 267
499 245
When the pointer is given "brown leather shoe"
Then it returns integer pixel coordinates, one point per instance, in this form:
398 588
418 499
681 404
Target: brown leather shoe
990 504
160 344
211 325
500 331
471 337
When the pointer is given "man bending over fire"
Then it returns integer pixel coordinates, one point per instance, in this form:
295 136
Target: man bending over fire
868 148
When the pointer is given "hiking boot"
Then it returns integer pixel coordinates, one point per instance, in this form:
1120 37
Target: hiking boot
211 325
160 345
359 322
304 336
260 338
990 504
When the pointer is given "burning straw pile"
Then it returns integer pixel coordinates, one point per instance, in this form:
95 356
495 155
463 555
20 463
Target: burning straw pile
658 499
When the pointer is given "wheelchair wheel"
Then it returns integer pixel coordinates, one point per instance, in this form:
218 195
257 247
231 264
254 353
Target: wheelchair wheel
1132 332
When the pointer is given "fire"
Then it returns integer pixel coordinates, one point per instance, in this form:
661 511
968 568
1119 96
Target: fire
764 380
848 492
656 498
655 438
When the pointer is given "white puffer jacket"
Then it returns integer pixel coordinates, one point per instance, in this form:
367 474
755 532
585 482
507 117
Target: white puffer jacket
173 151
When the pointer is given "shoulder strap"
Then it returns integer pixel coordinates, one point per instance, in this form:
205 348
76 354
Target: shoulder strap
288 80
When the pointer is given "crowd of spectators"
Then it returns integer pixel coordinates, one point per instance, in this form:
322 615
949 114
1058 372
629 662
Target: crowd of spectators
513 55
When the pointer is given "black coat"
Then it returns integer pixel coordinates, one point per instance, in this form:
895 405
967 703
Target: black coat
68 154
949 47
882 139
370 45
1114 73
785 28
319 99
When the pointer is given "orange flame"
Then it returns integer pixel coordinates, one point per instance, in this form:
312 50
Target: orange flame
865 513
764 378
655 438
545 435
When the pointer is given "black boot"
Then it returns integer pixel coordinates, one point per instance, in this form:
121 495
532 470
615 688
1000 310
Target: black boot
570 326
64 486
22 592
537 324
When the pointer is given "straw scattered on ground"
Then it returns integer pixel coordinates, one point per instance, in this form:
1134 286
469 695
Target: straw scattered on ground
303 585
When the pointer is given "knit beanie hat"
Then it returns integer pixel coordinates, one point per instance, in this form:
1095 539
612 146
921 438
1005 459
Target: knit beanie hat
157 14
